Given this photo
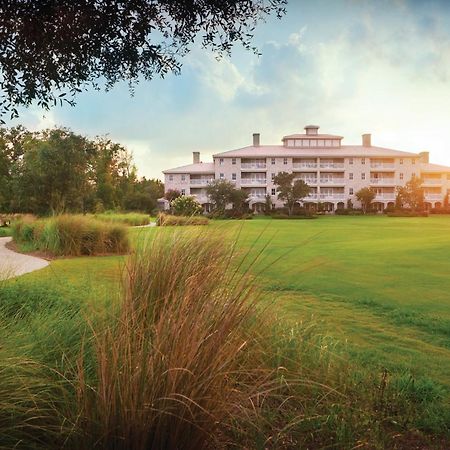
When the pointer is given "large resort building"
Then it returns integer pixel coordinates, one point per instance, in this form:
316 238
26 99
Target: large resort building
334 171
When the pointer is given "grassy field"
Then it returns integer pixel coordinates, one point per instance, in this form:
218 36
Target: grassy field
380 285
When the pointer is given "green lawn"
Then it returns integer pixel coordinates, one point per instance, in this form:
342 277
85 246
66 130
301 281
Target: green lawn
379 285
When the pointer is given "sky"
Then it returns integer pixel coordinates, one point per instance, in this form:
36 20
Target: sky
350 66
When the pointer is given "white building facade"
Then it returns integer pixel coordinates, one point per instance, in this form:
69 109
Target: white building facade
335 172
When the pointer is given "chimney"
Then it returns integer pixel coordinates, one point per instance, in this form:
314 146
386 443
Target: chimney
367 140
256 139
424 157
196 157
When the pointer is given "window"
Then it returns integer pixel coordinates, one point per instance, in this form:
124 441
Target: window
350 191
413 161
285 161
401 160
272 176
363 176
183 191
401 176
170 177
183 177
221 176
350 176
233 176
350 160
363 160
233 161
273 161
221 161
274 191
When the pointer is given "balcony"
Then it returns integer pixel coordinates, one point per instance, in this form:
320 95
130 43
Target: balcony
332 196
201 198
201 181
433 196
253 196
260 165
382 181
387 196
382 165
313 196
335 180
253 181
308 181
325 165
304 165
432 181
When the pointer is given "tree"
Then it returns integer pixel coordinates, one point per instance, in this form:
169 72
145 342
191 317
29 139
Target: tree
186 205
239 198
446 200
412 194
290 190
50 51
220 193
268 205
172 194
366 196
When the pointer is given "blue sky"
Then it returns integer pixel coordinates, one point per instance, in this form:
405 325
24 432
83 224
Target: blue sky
350 66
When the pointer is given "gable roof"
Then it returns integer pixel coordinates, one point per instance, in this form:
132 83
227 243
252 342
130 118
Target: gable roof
199 168
434 168
267 151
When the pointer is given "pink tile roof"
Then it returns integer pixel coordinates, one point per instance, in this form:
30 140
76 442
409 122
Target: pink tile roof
193 168
434 168
267 151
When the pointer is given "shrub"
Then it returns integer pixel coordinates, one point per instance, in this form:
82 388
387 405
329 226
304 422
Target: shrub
407 213
71 235
440 211
287 216
186 205
166 220
232 214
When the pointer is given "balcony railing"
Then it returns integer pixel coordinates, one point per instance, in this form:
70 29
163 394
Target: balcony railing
201 181
383 165
387 196
307 180
382 181
253 165
257 196
311 197
332 196
433 196
331 165
253 181
304 165
332 180
432 181
201 198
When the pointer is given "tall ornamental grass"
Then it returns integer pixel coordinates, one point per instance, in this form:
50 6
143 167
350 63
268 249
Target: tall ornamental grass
71 235
130 219
186 358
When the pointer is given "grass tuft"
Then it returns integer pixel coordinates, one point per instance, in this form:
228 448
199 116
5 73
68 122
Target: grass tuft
71 235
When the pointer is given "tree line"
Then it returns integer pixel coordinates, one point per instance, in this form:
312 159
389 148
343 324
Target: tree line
56 170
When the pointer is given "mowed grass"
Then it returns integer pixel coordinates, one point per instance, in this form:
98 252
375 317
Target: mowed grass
379 285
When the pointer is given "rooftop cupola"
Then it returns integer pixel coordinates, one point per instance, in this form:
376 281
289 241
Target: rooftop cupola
312 130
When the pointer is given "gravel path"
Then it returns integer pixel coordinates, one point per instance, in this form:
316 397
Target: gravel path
13 264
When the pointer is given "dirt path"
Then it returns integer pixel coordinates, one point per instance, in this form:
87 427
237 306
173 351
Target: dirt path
13 264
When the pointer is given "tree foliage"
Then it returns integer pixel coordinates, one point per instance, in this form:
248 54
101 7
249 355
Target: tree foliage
220 193
52 50
290 190
186 205
412 194
172 194
56 170
366 196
